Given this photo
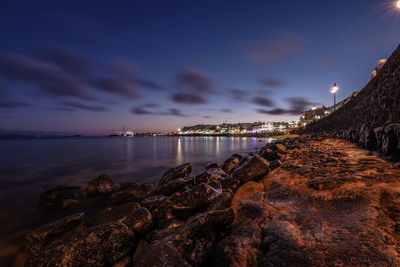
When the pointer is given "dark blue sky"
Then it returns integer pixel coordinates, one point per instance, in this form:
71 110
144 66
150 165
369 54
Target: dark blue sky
93 66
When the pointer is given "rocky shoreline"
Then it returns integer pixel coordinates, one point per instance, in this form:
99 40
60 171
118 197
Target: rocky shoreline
298 202
178 221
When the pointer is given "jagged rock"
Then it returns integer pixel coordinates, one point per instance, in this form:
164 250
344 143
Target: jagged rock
102 185
116 213
185 204
221 202
131 193
211 165
207 176
180 171
49 232
141 221
100 245
231 163
255 168
188 245
171 187
279 147
215 185
230 184
60 197
152 202
275 164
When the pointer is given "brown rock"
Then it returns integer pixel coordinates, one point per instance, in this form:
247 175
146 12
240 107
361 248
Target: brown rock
180 171
102 185
255 168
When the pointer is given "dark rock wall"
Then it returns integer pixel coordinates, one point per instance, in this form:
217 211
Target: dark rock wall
377 105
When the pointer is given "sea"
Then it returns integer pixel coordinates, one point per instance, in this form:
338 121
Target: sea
30 166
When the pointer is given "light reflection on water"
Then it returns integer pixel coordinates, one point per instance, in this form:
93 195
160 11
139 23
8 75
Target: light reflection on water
28 167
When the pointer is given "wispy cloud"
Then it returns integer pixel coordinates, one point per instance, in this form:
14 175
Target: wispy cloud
49 78
12 104
141 110
117 86
262 101
237 94
94 108
272 82
195 80
188 98
276 49
297 106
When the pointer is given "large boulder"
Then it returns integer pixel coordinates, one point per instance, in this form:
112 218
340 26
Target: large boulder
193 200
131 193
231 164
171 187
255 168
141 221
180 171
116 213
208 176
153 202
188 245
102 185
100 245
60 197
49 232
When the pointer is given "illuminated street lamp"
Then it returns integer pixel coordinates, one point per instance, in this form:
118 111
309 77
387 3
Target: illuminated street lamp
398 4
334 89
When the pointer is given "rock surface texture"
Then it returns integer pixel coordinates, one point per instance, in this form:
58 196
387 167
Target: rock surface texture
372 118
325 202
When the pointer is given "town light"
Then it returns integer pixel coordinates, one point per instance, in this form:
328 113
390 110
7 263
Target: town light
398 4
314 107
334 89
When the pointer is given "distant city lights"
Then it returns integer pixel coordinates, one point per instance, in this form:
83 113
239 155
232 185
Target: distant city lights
398 4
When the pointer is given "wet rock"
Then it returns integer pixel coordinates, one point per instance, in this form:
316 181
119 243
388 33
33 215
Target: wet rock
116 213
100 245
49 232
215 185
141 221
230 164
60 197
185 204
208 176
230 184
171 187
102 185
187 245
221 202
275 164
152 202
131 193
211 165
255 168
181 171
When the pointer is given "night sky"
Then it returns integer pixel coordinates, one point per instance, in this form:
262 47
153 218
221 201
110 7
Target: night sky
90 67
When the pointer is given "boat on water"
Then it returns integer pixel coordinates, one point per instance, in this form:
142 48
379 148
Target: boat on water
124 132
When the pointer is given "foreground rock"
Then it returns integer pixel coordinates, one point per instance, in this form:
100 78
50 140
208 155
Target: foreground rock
181 171
60 197
95 246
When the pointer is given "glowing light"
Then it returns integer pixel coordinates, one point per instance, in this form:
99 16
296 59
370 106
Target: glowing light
334 89
314 107
398 4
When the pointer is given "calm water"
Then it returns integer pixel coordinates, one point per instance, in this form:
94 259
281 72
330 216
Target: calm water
28 167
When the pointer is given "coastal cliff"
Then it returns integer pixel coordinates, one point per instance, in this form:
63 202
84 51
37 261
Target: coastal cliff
372 118
305 201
